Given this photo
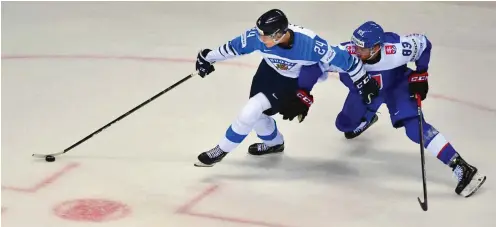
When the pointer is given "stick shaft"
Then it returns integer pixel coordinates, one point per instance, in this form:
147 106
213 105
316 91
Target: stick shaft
422 156
126 114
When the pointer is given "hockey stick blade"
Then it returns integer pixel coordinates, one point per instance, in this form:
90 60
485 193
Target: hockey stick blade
44 155
119 118
423 204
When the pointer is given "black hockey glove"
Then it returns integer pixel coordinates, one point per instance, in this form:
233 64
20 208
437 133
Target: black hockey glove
417 84
203 66
368 88
297 105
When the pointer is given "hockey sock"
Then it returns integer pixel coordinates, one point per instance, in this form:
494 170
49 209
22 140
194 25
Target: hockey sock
245 122
266 129
435 142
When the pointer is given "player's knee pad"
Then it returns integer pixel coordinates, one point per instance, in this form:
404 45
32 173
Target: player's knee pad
253 110
266 128
264 125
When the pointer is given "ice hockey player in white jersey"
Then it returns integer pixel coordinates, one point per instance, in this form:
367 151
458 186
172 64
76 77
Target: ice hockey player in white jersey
385 56
277 86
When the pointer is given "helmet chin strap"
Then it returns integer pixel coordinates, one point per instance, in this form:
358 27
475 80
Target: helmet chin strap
272 36
280 39
373 54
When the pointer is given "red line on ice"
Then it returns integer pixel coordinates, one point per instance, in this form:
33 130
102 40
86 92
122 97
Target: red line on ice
45 182
187 209
187 60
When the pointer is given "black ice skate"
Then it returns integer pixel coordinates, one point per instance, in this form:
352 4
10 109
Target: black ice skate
360 130
209 158
469 179
263 149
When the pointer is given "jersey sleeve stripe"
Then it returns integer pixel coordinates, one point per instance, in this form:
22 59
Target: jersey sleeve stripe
357 70
231 48
220 51
225 49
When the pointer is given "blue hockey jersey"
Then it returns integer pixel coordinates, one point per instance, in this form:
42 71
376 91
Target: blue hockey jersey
308 49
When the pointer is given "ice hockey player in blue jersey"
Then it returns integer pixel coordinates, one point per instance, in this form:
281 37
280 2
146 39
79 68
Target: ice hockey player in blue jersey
385 56
277 86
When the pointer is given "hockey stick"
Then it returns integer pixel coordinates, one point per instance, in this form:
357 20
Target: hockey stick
119 118
421 129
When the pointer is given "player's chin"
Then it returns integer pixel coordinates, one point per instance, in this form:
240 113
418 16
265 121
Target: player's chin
363 58
269 45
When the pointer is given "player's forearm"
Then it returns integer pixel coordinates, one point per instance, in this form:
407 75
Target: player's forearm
309 75
356 70
348 63
222 53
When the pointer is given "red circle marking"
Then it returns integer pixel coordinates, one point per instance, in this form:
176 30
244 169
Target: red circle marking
91 210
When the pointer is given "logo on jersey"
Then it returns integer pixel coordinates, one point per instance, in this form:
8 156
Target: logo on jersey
329 56
351 49
378 78
282 64
390 49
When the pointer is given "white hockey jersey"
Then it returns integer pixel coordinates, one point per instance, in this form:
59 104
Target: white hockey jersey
396 53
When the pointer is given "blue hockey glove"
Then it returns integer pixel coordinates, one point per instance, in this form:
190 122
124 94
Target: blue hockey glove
203 66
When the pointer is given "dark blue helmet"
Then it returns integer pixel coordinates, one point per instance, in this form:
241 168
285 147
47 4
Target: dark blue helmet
368 35
272 22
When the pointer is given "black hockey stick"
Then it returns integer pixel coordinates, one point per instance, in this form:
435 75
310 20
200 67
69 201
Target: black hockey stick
119 118
421 129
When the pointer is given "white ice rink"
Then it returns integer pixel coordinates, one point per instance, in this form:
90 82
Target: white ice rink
70 68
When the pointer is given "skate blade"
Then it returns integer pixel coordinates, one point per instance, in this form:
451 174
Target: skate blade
474 185
267 154
201 164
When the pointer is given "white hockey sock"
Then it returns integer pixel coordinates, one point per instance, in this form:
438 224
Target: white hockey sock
266 129
244 123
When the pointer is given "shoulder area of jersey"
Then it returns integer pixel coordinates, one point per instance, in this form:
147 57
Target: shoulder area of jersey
348 46
297 29
394 38
251 32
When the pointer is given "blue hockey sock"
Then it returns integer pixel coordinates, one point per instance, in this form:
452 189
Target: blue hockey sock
434 141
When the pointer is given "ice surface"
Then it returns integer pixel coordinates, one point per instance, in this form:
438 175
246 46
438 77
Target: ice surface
69 68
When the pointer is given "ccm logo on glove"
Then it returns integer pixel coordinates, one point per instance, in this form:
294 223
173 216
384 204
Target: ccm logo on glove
304 98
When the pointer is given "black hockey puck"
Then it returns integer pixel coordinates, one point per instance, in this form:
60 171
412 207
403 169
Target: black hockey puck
50 158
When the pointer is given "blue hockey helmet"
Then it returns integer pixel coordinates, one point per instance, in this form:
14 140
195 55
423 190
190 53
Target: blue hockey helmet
368 35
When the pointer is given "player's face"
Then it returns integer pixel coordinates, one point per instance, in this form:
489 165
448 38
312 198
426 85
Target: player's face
271 40
363 53
366 53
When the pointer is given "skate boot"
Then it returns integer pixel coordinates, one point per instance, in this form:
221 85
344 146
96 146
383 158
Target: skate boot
263 149
469 179
360 129
209 158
